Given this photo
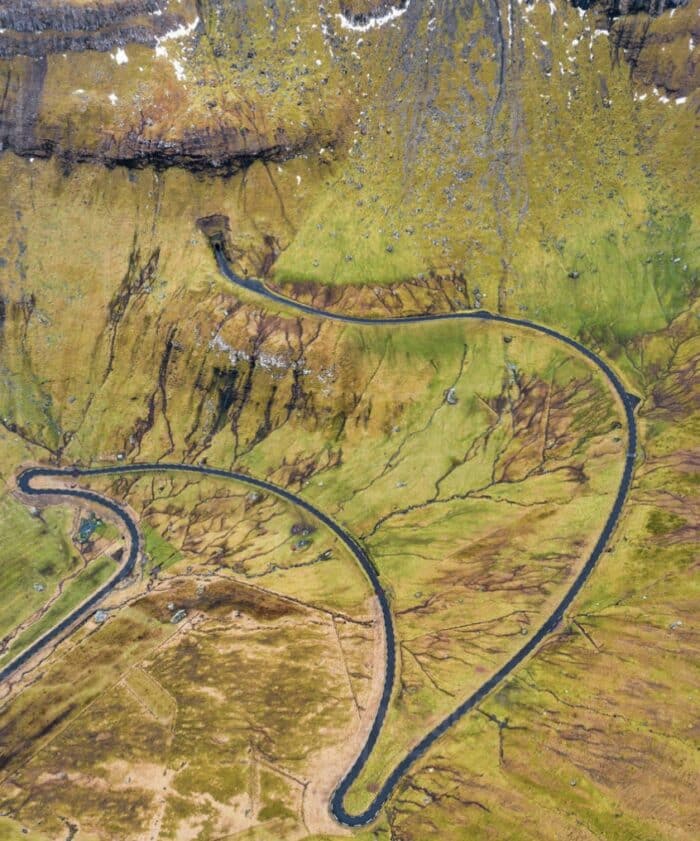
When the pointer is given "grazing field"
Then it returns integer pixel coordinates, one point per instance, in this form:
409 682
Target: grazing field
36 555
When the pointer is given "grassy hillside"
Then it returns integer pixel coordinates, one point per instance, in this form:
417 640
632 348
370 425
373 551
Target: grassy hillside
532 159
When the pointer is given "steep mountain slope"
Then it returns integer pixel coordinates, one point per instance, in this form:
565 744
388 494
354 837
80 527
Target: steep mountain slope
536 159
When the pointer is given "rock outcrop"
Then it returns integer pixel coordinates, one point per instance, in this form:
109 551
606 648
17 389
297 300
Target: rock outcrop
662 51
37 16
31 28
161 121
221 148
617 8
657 38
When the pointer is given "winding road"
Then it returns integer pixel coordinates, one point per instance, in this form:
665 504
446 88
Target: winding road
26 484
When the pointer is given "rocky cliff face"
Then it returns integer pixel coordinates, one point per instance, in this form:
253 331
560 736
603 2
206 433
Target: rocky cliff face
38 15
215 148
662 51
133 102
425 135
32 28
617 8
268 84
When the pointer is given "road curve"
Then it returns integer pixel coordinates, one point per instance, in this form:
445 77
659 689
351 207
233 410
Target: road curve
627 401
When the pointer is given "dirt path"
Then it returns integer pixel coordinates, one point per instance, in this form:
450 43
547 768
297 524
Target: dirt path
331 764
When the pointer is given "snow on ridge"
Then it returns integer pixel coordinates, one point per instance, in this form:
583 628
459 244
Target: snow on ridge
371 21
181 32
180 74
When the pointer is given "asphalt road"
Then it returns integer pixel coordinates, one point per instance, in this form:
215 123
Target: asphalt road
627 401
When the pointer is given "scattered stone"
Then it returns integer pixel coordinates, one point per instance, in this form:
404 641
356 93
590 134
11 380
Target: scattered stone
507 339
178 616
451 397
523 631
325 556
39 587
572 783
674 625
301 544
253 497
401 484
390 248
171 605
100 616
302 529
574 275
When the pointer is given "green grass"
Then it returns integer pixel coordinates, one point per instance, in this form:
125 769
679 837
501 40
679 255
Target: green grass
33 550
89 580
160 552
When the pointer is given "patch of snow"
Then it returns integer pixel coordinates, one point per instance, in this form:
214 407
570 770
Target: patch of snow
113 98
120 56
392 13
510 24
681 100
181 31
179 70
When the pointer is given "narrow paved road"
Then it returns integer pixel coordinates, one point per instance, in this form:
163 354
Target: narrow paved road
627 402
